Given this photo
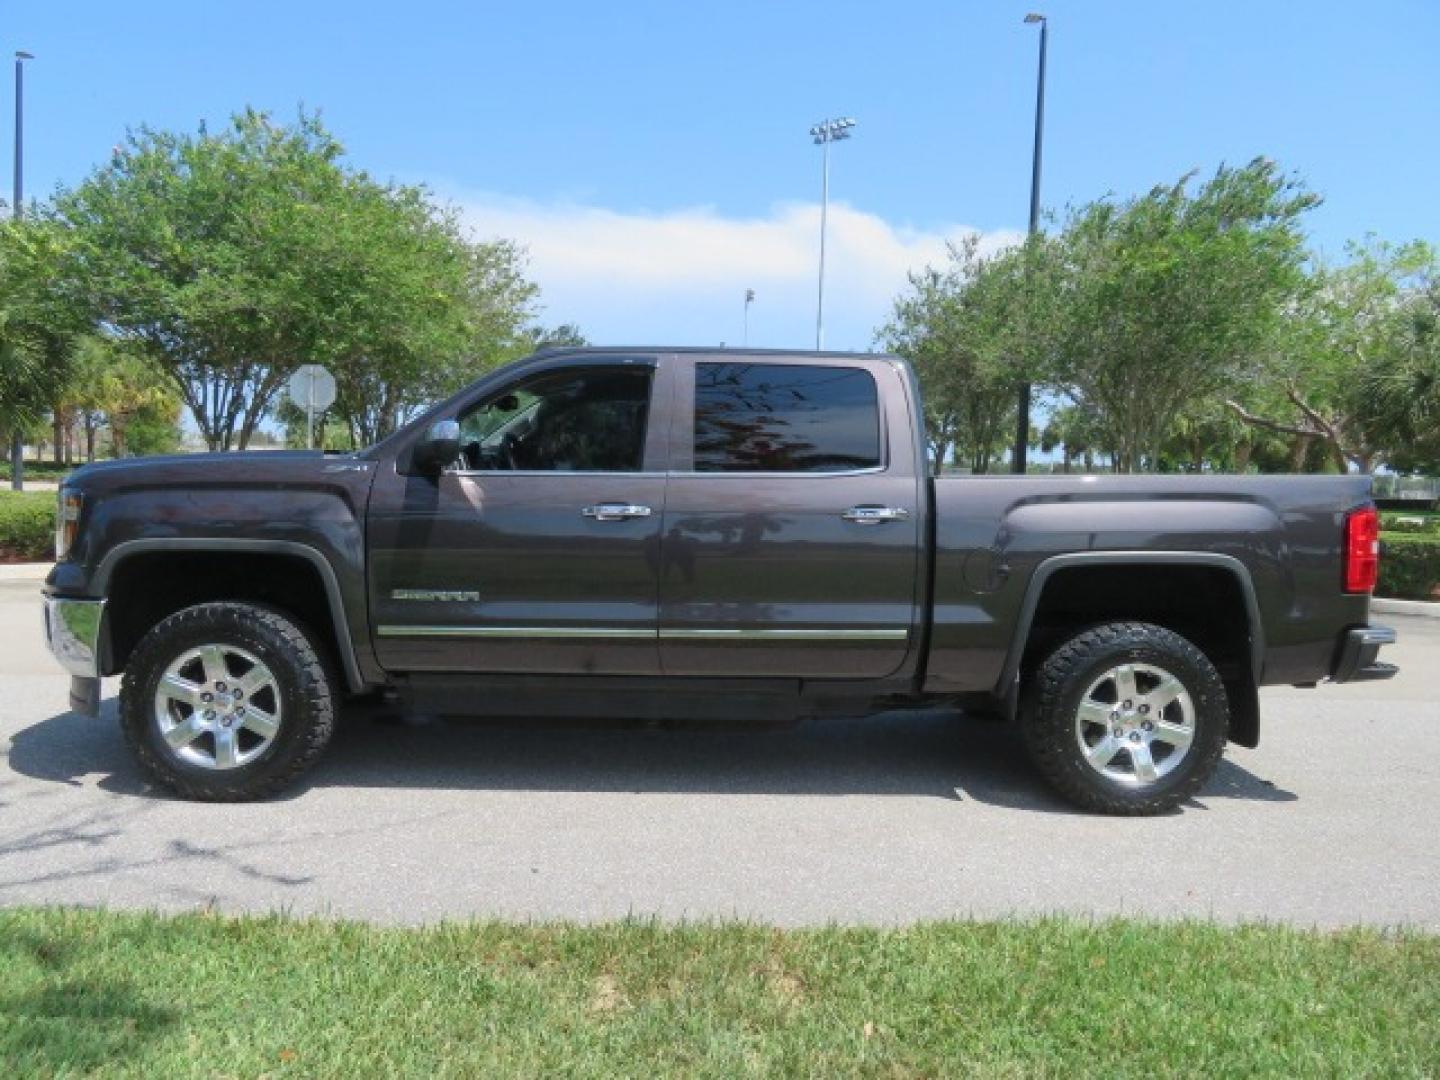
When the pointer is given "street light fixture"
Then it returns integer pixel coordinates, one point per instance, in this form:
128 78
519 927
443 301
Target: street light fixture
824 133
17 210
749 299
1022 419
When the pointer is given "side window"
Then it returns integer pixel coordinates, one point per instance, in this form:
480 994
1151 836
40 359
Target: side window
785 418
575 420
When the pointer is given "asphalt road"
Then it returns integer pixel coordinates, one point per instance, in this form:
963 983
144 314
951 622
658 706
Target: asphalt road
1335 819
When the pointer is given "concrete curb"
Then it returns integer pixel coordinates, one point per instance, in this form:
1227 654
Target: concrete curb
1426 609
25 571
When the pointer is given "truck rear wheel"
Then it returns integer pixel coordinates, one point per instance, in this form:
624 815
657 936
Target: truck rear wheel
1126 718
226 702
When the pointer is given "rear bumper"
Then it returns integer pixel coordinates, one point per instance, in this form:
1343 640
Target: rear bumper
1355 661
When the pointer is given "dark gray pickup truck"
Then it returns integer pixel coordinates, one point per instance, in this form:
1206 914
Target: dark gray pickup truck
687 534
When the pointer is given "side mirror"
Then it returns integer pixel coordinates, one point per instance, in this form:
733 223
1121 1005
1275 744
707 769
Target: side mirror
439 447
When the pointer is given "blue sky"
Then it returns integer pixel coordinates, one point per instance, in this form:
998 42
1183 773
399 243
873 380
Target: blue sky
654 160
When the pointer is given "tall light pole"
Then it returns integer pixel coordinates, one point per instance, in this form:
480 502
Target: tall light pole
824 133
17 209
749 299
1022 418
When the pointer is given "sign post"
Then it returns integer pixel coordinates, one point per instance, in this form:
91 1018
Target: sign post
312 388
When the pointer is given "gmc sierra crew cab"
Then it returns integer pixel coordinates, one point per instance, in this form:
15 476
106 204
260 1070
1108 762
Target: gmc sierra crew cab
666 533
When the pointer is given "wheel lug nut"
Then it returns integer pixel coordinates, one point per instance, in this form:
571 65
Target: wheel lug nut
1134 736
209 714
1144 709
207 697
238 695
1128 703
1119 731
220 686
1148 726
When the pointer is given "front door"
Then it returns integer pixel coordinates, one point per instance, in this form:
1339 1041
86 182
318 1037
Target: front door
792 521
538 552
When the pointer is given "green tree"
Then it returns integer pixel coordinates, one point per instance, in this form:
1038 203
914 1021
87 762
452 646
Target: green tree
39 323
118 386
440 309
958 327
1400 389
152 428
564 336
231 259
1077 433
1348 370
1150 307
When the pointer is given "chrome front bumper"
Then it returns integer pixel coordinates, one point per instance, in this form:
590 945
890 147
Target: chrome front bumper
73 630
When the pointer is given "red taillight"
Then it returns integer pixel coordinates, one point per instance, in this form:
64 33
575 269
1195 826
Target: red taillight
1362 549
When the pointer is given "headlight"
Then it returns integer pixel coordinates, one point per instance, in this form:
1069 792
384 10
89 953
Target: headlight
67 521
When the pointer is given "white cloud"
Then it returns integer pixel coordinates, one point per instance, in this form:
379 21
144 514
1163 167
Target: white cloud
679 276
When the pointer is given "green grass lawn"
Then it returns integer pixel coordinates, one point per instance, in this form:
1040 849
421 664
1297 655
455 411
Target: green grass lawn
145 995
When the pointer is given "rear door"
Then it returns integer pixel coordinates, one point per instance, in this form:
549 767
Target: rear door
792 516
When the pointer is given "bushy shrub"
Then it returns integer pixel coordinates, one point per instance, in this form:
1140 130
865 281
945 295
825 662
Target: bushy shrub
1417 524
1409 566
27 525
36 470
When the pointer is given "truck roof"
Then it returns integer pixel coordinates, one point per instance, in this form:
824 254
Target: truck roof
611 350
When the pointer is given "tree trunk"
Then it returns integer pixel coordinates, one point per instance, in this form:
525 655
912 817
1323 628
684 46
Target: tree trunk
1242 456
1299 450
59 415
1337 454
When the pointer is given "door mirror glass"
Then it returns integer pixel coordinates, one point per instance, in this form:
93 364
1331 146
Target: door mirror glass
440 447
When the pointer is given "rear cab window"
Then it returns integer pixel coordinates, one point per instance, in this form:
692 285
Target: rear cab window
785 418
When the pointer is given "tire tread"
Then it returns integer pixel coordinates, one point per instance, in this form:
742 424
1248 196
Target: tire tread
313 687
1047 729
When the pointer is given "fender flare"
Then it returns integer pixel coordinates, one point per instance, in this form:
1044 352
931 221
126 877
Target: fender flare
345 644
1008 687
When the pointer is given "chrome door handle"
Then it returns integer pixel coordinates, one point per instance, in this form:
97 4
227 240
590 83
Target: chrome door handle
615 511
875 515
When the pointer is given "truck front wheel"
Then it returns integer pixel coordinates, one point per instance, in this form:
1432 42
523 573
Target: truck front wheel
226 702
1126 718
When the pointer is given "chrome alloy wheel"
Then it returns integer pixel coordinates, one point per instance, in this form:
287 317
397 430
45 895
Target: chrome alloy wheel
1135 724
218 707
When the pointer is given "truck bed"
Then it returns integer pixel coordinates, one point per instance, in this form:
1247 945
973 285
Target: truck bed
998 539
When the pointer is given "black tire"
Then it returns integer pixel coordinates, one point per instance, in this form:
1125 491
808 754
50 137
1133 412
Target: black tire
302 686
1052 699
